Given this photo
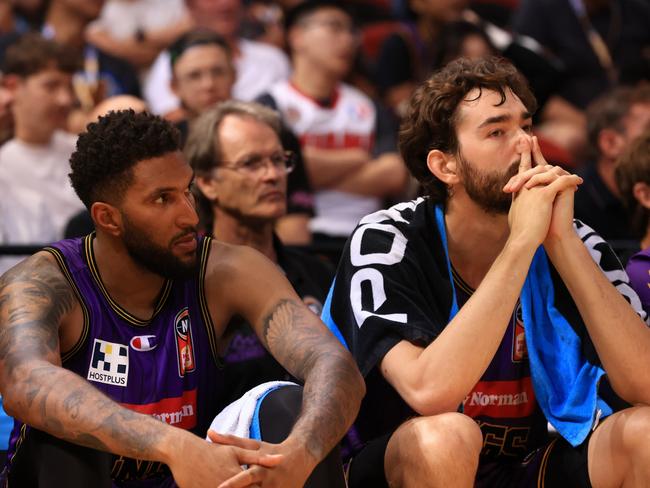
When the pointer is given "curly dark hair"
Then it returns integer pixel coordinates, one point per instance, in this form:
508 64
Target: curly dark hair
102 165
430 122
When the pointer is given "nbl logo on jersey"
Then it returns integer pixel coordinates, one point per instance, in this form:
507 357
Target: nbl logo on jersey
519 350
109 363
184 344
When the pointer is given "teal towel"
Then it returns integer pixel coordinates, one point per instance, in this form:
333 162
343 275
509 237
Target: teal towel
566 384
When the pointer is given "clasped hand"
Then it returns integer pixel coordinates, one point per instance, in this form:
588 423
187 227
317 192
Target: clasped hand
542 206
289 471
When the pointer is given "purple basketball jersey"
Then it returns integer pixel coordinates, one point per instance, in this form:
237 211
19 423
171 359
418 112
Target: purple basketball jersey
503 401
166 366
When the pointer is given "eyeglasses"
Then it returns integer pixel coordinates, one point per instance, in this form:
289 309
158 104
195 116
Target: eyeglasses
256 164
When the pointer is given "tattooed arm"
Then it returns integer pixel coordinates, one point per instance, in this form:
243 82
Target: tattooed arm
295 336
37 306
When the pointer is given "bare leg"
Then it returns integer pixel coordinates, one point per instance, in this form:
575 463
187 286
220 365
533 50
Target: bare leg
619 450
438 451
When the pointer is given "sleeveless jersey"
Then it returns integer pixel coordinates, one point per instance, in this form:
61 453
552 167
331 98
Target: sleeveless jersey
166 366
503 401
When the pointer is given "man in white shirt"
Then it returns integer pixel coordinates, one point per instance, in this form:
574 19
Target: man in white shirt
258 65
351 162
37 199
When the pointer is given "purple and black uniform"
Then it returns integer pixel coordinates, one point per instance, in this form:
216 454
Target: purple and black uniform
504 406
166 366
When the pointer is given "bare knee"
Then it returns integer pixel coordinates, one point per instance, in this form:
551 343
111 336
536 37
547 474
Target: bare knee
619 452
440 447
637 431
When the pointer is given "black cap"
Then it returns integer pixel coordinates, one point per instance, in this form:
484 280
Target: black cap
308 6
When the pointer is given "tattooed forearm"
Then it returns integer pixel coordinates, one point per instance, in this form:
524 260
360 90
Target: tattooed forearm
65 405
333 386
34 299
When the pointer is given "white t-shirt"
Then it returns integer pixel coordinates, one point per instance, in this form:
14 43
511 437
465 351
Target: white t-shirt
348 123
122 18
36 197
258 66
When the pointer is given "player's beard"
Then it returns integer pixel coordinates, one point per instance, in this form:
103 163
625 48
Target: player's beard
155 258
485 188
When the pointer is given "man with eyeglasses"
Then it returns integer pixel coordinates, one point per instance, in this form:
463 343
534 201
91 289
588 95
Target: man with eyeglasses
351 160
241 173
259 65
203 74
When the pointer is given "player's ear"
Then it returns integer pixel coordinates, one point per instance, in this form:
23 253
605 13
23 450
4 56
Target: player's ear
443 166
107 218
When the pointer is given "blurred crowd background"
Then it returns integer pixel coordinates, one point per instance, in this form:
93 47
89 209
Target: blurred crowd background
340 73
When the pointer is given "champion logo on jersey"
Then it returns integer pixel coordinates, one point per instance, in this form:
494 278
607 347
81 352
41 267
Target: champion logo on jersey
109 363
144 343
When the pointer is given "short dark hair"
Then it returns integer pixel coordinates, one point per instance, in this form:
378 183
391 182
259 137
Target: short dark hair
634 167
608 110
197 37
430 122
32 54
307 7
102 165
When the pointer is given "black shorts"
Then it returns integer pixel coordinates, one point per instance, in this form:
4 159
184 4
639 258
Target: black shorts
557 464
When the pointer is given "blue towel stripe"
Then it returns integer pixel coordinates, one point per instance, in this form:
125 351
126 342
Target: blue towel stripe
326 317
565 383
254 431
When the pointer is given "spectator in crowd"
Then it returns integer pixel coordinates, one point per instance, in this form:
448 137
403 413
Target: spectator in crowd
437 32
480 310
203 74
350 156
614 120
633 181
102 75
36 199
241 174
108 355
138 30
411 52
599 43
257 65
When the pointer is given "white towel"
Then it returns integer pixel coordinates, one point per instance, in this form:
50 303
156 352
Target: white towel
237 417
